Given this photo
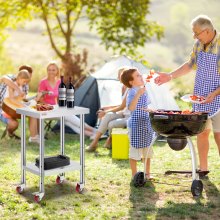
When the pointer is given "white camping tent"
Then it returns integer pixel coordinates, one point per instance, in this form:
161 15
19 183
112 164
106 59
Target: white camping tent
110 87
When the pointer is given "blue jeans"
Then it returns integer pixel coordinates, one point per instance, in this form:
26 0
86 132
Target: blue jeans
2 118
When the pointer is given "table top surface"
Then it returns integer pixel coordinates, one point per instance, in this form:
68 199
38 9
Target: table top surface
56 112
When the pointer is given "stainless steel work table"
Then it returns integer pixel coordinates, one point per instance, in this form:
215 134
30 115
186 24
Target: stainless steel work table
57 112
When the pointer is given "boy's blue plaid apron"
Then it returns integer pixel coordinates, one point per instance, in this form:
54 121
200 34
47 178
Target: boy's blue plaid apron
141 130
207 80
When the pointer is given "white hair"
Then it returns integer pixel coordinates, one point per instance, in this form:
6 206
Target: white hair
203 21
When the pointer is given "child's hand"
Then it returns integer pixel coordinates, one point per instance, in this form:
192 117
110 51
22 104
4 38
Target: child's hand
101 113
21 93
39 96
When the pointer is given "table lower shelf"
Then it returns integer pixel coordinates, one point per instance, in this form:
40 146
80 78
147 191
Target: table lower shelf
31 167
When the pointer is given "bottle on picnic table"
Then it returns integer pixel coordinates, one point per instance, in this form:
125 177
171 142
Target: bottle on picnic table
62 93
70 94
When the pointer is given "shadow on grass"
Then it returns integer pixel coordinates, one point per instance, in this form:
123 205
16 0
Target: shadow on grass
197 210
211 190
174 210
143 201
213 196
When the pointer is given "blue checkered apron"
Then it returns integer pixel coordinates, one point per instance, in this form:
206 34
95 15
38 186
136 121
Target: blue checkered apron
141 130
207 80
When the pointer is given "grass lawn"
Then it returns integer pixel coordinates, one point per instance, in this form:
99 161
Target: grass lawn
108 193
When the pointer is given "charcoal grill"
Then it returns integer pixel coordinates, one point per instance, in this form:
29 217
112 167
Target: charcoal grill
178 129
174 124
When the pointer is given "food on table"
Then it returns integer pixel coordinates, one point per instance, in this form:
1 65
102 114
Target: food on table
42 107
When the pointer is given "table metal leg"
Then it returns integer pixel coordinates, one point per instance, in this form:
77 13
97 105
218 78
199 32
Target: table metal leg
82 152
62 143
41 162
62 135
22 185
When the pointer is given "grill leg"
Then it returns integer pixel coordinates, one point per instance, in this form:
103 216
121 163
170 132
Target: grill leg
195 175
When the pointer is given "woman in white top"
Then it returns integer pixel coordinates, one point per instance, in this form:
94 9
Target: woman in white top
113 117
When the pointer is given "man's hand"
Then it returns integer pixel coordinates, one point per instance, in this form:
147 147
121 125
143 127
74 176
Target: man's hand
210 97
162 78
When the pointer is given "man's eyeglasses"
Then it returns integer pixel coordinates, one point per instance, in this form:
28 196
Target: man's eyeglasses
197 35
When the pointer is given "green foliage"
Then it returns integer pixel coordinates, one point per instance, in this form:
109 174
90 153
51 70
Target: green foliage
122 25
11 14
6 65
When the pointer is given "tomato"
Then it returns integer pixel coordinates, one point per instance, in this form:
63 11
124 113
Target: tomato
193 97
197 98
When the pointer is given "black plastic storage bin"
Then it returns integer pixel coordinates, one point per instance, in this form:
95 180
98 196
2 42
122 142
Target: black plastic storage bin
52 162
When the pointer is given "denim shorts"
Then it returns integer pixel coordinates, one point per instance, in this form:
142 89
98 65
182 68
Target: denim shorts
3 118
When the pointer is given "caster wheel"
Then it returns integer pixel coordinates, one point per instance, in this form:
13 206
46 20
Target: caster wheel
78 189
19 189
139 180
197 187
37 198
59 180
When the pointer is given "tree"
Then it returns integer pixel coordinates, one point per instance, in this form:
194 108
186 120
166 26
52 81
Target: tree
121 25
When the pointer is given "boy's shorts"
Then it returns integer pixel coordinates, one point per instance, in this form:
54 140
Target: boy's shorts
3 118
139 153
214 123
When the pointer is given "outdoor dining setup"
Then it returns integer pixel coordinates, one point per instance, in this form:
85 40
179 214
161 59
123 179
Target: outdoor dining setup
175 125
110 109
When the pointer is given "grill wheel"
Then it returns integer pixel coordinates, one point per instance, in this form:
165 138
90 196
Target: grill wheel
139 180
197 187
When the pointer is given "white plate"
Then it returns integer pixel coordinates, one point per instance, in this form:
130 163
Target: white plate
187 98
30 103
